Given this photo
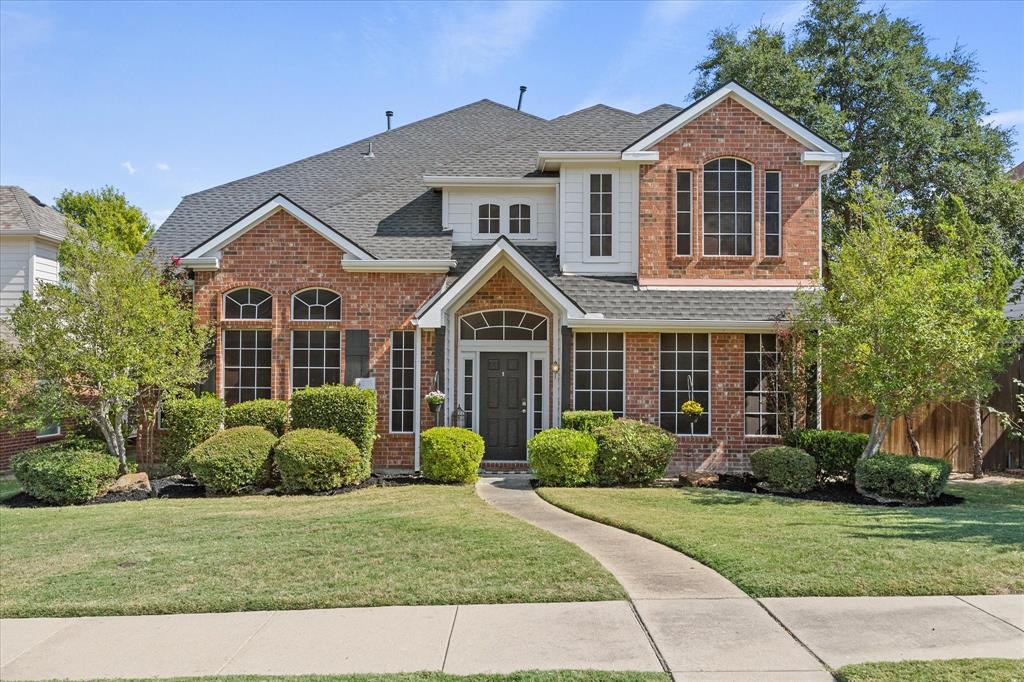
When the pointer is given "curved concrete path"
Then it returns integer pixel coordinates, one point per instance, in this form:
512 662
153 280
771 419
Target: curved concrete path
702 626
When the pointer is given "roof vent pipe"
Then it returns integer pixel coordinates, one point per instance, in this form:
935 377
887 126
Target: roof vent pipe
389 114
522 91
368 154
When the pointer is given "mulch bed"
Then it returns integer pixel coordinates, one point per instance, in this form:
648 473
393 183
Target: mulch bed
179 487
842 493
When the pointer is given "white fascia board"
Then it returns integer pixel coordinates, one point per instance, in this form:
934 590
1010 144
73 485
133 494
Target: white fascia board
555 159
398 265
809 158
278 203
203 263
654 325
473 181
643 157
748 99
432 315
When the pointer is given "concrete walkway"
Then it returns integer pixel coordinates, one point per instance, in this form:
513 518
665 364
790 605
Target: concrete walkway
681 616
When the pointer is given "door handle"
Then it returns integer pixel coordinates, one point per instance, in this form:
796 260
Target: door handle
523 411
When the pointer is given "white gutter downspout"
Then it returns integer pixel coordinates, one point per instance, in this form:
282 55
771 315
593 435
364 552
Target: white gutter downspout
416 399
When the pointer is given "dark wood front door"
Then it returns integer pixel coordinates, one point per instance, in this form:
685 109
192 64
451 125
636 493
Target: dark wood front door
503 405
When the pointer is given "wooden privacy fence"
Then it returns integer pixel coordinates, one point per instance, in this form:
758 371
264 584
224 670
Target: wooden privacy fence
946 430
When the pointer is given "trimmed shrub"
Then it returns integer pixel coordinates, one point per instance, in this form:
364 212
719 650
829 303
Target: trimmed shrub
314 460
562 457
450 454
232 461
586 420
272 415
63 475
784 469
632 452
347 410
900 478
187 422
835 452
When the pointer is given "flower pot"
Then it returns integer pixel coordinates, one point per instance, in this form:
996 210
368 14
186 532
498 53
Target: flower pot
691 417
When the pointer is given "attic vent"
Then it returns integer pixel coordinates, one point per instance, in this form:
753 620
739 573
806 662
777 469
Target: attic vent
368 154
33 198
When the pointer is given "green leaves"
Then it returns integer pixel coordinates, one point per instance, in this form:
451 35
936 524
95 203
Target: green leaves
107 217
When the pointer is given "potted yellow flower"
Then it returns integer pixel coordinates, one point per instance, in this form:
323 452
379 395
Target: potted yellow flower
691 411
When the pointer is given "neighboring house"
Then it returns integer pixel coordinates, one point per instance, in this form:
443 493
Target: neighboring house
599 260
30 234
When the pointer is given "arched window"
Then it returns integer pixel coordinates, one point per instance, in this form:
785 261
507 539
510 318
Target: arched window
503 325
316 304
728 208
489 219
519 219
248 304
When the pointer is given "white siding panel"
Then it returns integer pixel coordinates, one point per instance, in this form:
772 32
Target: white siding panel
45 268
575 231
462 206
15 269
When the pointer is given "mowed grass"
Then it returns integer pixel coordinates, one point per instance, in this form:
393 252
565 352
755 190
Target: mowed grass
419 544
959 670
778 547
526 676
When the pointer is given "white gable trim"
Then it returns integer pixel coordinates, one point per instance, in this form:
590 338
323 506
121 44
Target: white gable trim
432 315
748 99
278 203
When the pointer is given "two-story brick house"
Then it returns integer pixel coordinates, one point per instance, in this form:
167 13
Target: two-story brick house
599 260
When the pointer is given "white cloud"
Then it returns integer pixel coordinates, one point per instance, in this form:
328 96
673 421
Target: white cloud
127 165
163 167
479 37
1010 117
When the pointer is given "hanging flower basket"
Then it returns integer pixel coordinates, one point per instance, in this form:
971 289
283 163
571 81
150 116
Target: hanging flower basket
435 399
691 411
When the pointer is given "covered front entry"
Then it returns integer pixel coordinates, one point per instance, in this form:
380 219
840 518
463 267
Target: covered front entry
503 405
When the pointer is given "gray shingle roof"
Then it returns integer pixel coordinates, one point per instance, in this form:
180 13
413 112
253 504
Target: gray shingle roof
382 203
22 212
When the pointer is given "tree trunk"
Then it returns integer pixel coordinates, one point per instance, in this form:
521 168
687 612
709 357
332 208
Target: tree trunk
113 434
879 428
979 455
915 447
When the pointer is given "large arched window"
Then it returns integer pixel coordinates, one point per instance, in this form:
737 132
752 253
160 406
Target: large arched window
248 304
316 304
503 325
728 208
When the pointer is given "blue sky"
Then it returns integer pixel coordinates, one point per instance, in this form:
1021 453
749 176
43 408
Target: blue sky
164 99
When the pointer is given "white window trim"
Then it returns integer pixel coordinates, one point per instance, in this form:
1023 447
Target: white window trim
413 388
675 205
223 306
341 306
504 211
747 434
42 435
585 232
625 365
711 385
764 240
753 212
534 350
222 387
291 351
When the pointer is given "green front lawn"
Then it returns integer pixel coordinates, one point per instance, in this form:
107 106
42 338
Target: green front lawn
779 547
420 544
8 488
959 670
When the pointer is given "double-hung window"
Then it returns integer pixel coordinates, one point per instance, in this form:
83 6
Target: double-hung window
773 213
403 405
728 208
246 365
685 375
600 214
599 374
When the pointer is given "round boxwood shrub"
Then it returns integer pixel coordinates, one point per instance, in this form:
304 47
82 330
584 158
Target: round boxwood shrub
450 454
64 475
835 452
586 420
314 460
631 452
562 457
272 415
185 423
783 469
347 410
232 461
899 478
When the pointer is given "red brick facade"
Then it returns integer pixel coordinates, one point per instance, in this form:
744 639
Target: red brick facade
729 129
13 442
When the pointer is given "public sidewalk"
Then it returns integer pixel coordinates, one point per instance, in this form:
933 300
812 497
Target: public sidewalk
681 617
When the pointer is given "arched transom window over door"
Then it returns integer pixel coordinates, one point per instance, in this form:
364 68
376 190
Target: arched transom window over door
728 208
503 325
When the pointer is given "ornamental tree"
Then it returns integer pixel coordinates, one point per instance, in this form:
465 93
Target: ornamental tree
890 333
109 330
108 217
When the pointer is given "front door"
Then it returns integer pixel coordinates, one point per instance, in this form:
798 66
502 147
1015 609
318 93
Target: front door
503 405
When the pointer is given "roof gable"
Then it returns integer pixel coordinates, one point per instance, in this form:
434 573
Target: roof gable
735 91
21 213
